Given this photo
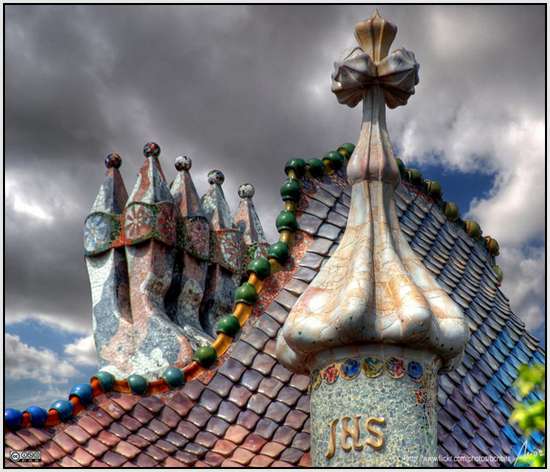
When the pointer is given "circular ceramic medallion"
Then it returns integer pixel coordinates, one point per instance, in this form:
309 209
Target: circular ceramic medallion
350 368
138 221
415 370
395 367
97 232
372 366
166 224
330 373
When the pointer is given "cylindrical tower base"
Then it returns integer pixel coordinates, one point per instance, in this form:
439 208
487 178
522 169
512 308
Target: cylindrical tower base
374 405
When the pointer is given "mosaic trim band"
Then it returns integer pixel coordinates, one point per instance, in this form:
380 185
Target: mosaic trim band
103 231
370 367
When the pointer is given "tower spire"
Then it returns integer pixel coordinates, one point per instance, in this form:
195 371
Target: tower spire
374 307
248 222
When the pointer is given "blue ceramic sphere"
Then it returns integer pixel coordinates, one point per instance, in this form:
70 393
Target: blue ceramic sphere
83 392
13 418
38 416
64 408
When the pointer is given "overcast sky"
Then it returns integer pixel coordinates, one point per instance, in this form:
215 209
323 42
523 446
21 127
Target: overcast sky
243 89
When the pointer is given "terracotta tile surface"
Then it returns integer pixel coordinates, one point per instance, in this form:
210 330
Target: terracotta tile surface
83 457
224 447
242 456
236 434
107 438
126 449
64 441
273 449
261 461
247 419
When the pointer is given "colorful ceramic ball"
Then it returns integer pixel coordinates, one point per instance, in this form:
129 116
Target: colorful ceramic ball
205 356
151 149
246 293
290 190
138 384
83 392
106 380
278 251
297 165
246 191
174 376
113 160
451 211
261 267
216 177
13 418
286 221
183 163
229 325
64 409
38 416
315 167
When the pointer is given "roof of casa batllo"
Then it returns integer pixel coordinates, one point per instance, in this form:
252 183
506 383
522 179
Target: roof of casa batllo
249 410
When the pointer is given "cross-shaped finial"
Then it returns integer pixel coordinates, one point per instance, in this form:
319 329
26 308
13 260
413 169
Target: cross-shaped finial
370 65
375 36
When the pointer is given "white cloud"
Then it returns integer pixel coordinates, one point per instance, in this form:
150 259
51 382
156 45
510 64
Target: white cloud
26 362
82 351
52 320
523 283
38 397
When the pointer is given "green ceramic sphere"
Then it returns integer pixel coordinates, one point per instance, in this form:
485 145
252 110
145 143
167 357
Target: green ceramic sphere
290 190
297 165
473 229
334 159
137 384
348 147
174 377
106 380
279 251
228 324
433 188
451 211
315 167
492 246
286 220
414 176
261 267
246 293
205 356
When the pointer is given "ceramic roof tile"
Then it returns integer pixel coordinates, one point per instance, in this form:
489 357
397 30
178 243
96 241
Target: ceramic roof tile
236 434
261 461
273 449
213 459
244 352
138 441
266 428
209 400
247 419
156 453
228 411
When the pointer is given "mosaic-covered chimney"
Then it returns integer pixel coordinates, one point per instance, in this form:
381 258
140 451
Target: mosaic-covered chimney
249 224
163 265
374 328
225 268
